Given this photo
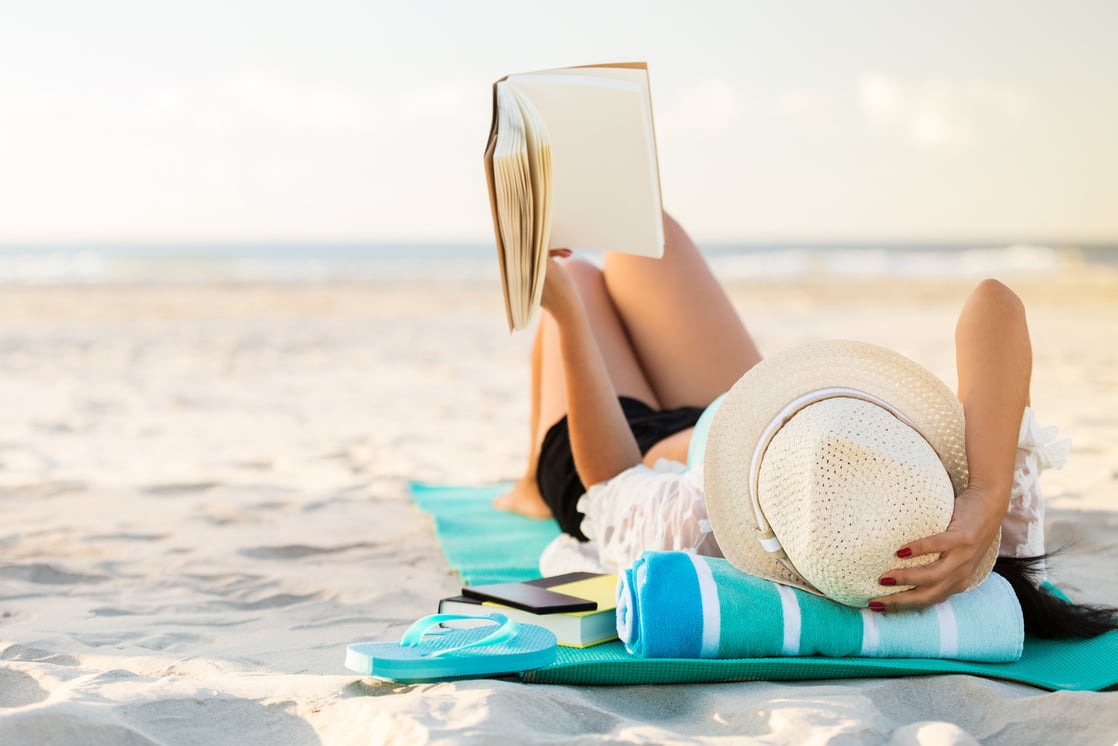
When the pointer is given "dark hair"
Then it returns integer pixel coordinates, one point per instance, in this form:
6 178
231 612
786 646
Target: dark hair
1046 614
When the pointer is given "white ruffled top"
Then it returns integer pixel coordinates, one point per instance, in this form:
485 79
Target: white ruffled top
1037 450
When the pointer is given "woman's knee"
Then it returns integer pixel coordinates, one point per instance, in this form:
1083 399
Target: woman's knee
587 276
592 287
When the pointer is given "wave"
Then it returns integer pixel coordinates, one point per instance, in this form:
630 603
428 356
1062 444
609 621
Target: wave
259 263
924 262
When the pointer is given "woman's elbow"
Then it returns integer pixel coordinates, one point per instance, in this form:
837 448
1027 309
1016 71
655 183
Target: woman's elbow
995 296
992 301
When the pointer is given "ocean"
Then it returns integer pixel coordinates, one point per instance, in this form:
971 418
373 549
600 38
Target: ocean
327 262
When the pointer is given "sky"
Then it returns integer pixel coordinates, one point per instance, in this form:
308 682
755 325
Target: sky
365 121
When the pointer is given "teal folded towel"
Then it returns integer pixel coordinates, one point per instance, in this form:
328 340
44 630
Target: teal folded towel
681 605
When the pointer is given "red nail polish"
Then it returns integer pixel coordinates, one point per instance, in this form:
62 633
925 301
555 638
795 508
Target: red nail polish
906 552
877 606
888 581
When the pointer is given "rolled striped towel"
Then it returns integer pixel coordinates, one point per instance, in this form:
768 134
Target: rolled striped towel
681 605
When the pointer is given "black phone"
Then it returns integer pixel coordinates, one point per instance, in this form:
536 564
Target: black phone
529 598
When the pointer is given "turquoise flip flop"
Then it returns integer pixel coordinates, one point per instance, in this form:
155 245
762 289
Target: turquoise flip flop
455 653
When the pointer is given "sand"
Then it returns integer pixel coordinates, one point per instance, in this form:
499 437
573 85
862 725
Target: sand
203 500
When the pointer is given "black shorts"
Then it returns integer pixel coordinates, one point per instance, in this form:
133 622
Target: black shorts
557 477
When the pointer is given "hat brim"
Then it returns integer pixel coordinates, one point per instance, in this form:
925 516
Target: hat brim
760 396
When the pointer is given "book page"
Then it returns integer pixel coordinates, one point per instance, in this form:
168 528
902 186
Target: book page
515 212
539 165
606 186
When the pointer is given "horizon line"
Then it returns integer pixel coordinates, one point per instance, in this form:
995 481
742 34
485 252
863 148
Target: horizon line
381 243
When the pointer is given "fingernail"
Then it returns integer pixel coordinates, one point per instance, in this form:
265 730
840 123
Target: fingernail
888 581
906 552
877 606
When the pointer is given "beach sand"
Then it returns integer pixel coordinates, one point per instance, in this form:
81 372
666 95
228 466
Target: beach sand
203 500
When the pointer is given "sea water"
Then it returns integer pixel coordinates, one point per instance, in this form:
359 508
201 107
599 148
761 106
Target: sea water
335 262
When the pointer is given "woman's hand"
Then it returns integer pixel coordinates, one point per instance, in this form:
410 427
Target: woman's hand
559 290
974 526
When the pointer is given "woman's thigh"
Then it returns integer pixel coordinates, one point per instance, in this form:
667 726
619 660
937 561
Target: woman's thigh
689 340
613 341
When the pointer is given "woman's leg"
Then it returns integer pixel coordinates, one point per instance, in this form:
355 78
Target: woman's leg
690 342
549 398
524 497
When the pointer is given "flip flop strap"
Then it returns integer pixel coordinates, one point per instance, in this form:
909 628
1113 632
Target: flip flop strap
506 630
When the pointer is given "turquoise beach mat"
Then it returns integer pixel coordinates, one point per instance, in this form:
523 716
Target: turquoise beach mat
487 546
481 544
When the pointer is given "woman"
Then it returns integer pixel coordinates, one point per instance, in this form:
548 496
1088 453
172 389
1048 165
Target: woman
628 357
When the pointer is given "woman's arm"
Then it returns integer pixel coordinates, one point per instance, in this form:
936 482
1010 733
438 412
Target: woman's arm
601 441
994 360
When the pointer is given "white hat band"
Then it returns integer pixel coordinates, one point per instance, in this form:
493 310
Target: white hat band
766 536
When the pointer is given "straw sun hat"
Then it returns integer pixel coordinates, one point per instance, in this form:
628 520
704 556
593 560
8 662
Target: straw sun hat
825 460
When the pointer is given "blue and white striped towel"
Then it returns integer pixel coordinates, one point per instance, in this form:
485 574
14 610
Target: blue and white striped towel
681 605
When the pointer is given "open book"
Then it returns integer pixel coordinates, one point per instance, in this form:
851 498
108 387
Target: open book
571 163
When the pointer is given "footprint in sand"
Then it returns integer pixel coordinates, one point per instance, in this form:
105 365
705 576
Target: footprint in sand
178 488
44 574
297 551
18 689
